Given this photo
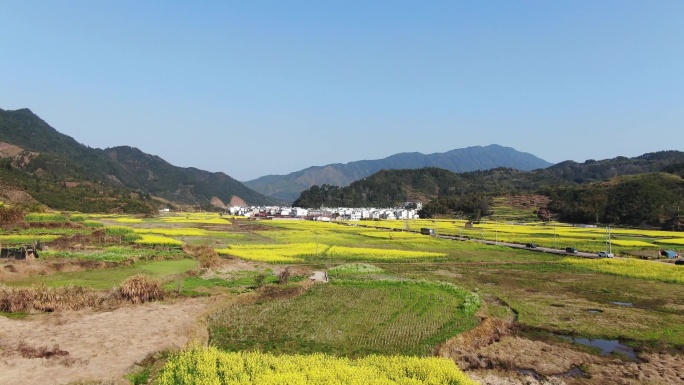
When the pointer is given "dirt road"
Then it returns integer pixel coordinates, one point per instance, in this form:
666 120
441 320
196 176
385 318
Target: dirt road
101 346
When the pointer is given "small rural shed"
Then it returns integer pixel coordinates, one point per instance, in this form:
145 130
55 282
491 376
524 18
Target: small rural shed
669 253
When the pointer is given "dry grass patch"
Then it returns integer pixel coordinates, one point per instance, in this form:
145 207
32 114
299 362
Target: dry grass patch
49 299
28 351
207 257
462 347
136 289
141 288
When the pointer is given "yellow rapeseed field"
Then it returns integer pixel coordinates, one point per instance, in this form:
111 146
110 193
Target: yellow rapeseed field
211 366
372 253
204 218
175 232
275 253
634 268
675 241
391 235
628 243
158 240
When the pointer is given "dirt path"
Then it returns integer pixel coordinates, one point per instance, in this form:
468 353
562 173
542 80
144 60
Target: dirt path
319 276
102 346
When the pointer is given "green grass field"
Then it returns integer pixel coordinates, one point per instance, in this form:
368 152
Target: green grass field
108 278
348 318
551 294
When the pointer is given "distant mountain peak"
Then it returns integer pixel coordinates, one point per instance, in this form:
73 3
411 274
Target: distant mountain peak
288 187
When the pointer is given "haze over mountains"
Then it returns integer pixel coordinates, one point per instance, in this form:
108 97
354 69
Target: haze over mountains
288 187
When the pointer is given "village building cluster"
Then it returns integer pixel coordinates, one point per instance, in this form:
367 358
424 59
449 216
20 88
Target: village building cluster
409 211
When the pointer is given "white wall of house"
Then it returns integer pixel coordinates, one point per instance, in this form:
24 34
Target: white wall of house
299 212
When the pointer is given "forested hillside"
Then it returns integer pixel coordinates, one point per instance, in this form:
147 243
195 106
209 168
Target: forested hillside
56 170
580 193
288 187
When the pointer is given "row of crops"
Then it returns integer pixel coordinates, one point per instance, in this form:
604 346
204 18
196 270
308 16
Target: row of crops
173 230
556 235
198 365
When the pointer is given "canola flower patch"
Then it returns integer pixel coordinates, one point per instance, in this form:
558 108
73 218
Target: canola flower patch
118 230
275 253
158 240
379 254
174 232
20 239
675 241
634 268
390 235
204 218
648 233
198 365
629 243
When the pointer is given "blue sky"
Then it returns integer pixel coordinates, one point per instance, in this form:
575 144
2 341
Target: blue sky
269 87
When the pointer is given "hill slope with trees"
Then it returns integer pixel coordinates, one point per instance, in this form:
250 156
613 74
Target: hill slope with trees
62 173
645 190
288 187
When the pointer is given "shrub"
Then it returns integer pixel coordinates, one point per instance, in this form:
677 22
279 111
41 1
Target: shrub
205 255
284 276
141 288
93 224
77 218
259 280
45 217
11 216
118 230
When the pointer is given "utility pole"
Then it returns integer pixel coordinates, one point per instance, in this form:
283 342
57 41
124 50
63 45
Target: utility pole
610 246
496 233
554 236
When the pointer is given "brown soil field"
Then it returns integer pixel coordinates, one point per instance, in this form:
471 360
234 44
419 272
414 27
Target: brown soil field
11 269
550 361
95 346
497 353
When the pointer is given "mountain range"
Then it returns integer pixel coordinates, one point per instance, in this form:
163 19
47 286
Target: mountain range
288 187
646 189
39 165
39 161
